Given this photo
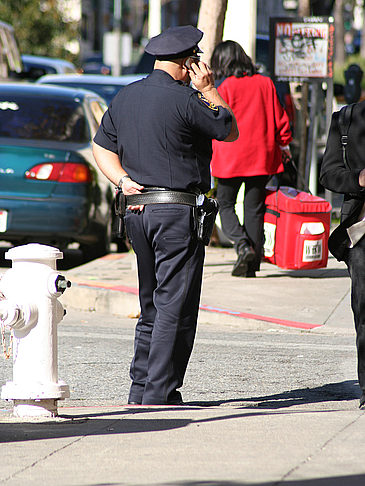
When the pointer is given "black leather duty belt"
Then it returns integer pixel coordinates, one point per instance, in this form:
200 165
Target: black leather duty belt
161 197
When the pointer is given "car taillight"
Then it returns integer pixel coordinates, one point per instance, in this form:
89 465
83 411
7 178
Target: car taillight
60 172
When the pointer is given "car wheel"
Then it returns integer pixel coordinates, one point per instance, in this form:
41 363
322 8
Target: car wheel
100 248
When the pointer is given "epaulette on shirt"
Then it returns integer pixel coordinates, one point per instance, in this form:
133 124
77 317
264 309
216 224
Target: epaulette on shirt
207 103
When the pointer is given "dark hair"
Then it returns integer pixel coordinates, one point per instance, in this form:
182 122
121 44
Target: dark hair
229 59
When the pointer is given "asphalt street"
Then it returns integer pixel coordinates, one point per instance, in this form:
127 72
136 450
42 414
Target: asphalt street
276 368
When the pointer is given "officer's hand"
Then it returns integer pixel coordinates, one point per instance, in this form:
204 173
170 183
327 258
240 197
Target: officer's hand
201 76
362 178
286 155
130 187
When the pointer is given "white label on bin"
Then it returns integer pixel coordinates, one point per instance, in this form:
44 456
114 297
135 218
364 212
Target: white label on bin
3 220
269 245
312 250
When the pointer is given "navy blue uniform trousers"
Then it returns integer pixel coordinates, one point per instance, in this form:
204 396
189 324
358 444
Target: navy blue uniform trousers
170 265
355 261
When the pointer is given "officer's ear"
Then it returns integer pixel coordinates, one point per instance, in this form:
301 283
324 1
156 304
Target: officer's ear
185 64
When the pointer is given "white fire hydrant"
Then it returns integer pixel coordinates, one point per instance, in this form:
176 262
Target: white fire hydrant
32 311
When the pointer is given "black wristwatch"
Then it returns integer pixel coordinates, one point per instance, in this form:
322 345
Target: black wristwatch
120 183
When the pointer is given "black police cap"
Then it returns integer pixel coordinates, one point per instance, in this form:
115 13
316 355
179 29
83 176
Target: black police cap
175 42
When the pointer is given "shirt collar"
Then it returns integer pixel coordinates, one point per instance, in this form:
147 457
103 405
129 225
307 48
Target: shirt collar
163 77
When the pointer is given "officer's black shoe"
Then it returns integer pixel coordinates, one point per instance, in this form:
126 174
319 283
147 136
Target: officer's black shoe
362 401
246 254
175 402
134 403
175 398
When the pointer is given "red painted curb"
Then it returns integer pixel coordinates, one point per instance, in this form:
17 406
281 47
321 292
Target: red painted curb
208 308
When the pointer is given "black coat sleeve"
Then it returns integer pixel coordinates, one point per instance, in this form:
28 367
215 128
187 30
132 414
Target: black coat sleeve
334 174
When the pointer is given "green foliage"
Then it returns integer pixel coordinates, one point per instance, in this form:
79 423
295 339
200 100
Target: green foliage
339 69
39 27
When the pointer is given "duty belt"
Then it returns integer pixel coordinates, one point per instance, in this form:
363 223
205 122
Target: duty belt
161 196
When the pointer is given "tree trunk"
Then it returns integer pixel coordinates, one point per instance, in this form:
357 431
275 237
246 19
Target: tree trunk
339 33
211 22
304 8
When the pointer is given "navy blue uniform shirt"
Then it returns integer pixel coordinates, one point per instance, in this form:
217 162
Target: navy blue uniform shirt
162 131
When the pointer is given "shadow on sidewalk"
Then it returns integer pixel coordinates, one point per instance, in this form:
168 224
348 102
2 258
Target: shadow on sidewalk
354 480
126 421
122 422
317 273
331 392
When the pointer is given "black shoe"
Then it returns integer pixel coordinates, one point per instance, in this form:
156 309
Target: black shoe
175 398
362 401
134 402
246 254
250 274
175 402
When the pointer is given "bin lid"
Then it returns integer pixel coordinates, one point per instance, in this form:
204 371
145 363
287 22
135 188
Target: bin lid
291 200
33 251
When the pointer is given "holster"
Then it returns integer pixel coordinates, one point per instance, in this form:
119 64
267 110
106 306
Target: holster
120 207
205 215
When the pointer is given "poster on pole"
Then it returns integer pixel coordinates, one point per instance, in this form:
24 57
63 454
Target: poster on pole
302 48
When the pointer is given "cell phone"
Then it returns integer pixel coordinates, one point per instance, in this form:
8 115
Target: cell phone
191 60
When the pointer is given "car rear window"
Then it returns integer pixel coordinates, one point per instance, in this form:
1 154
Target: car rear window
107 91
42 119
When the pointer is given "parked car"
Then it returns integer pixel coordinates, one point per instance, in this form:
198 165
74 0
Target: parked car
36 66
51 191
105 86
94 65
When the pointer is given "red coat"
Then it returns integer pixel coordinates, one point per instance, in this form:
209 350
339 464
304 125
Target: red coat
263 125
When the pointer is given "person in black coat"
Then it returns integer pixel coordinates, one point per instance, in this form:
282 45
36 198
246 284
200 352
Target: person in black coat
345 174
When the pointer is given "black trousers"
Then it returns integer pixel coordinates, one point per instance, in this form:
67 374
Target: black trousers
252 230
355 260
170 266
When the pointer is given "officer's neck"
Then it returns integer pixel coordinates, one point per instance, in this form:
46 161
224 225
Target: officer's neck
174 68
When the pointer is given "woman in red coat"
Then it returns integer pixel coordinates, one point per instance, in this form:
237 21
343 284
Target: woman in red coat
256 155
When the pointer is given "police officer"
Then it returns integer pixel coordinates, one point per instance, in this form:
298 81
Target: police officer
154 142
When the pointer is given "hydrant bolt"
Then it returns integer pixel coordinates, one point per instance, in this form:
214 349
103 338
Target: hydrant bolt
62 284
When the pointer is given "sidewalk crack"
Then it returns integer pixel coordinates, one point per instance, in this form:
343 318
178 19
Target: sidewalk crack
315 453
336 307
47 456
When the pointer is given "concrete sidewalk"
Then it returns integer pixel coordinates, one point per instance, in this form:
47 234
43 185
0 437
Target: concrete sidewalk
190 446
276 442
304 299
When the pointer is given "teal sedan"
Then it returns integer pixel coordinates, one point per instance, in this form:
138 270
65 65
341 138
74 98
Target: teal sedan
50 189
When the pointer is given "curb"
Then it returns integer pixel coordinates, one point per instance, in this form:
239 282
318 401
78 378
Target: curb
123 300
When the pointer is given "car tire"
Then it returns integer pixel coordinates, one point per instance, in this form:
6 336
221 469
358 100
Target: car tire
100 248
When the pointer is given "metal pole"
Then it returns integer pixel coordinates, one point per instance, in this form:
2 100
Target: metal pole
117 30
311 156
154 18
329 109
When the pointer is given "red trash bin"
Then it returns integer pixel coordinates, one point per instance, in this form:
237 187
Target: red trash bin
297 227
